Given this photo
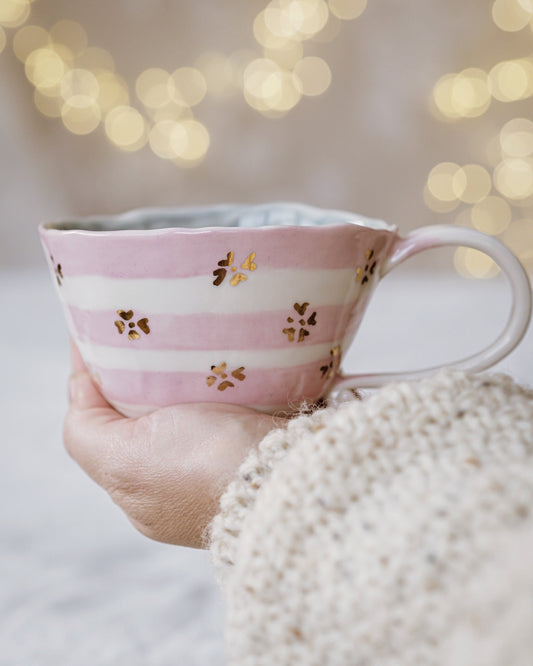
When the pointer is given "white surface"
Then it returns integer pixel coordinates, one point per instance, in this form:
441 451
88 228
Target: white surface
80 587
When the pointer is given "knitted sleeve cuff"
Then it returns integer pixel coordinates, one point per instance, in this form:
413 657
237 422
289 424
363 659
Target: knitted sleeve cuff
239 498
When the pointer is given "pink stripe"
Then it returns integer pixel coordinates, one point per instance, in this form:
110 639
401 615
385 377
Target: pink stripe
261 386
261 330
174 253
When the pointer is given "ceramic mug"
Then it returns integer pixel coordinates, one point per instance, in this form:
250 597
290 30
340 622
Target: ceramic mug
251 305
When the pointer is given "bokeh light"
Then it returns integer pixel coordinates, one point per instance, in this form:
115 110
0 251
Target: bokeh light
170 111
126 128
513 178
79 88
347 9
81 120
28 39
152 87
45 69
519 238
492 215
187 86
462 95
474 264
95 59
287 53
511 80
112 90
77 82
510 15
269 88
14 13
440 182
312 76
296 19
71 34
330 31
264 36
192 144
160 138
471 183
438 205
516 138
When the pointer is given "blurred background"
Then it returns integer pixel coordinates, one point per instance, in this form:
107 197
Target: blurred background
416 112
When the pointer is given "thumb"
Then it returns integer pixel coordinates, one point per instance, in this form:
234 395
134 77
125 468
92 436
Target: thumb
83 393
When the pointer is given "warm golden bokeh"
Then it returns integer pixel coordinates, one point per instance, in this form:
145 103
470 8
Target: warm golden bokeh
495 190
76 83
14 12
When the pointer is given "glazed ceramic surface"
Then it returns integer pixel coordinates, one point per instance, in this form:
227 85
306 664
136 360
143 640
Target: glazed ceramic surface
250 305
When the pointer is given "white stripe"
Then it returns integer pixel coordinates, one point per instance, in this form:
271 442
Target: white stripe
264 290
198 361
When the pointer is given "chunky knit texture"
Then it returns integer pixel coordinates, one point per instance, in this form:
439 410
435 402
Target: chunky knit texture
396 531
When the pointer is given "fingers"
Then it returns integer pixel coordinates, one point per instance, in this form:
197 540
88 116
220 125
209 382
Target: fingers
83 393
87 431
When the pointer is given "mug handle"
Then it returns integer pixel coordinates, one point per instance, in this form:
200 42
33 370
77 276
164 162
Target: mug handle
436 236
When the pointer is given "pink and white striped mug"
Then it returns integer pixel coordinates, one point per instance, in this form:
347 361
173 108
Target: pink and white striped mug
252 305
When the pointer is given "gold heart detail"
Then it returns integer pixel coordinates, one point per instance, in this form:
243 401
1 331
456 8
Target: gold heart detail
125 315
300 309
210 380
227 261
224 385
143 325
133 335
218 370
238 374
290 332
312 319
238 277
120 325
248 263
221 274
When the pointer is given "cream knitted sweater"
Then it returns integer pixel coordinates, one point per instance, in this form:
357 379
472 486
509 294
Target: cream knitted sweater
396 531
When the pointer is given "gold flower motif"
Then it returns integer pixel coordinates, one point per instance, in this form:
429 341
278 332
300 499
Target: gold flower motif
220 374
330 370
125 316
303 322
226 265
362 273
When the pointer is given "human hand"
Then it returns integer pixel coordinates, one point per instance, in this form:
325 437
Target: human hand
166 470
